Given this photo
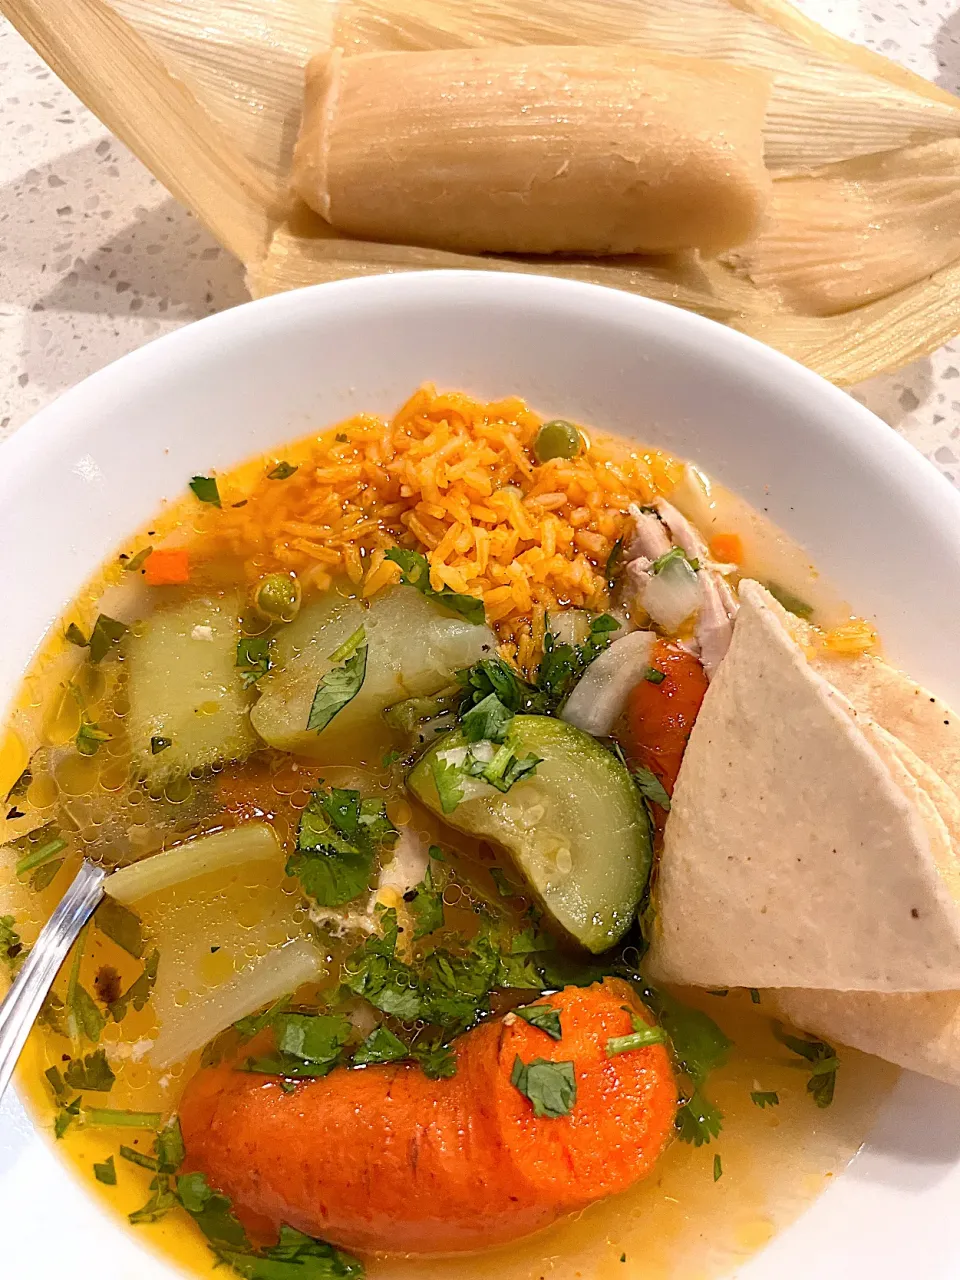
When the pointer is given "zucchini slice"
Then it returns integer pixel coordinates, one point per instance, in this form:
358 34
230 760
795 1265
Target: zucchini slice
576 828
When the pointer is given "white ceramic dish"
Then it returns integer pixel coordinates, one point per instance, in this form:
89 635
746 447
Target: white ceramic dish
877 519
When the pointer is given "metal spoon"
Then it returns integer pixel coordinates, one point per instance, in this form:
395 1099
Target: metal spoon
20 1006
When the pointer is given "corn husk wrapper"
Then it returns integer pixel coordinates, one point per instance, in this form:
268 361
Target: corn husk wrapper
856 272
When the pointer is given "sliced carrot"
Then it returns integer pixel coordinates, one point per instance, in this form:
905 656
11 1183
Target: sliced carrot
167 567
661 715
386 1159
727 548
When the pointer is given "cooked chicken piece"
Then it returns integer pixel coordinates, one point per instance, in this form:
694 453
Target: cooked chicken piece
650 536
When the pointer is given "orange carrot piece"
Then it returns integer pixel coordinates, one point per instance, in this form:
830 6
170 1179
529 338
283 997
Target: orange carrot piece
660 716
384 1158
727 548
167 567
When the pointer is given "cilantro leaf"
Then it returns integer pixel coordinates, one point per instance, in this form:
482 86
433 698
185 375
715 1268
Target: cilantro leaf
159 743
676 555
562 665
254 1023
121 925
790 602
93 1072
294 1257
381 1045
654 675
90 737
75 636
337 842
489 720
446 778
282 471
504 887
374 972
823 1061
494 675
550 1086
425 903
651 788
37 847
158 1206
761 1100
643 1034
140 989
65 1117
436 1061
106 1172
456 987
206 489
717 1168
253 658
212 1212
11 947
698 1043
613 561
137 562
83 1016
341 684
698 1121
415 572
507 767
106 632
544 1017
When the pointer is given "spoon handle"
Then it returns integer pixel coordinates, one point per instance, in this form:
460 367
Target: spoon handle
20 1006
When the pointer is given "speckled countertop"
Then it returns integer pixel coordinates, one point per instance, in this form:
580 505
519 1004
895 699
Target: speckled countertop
96 258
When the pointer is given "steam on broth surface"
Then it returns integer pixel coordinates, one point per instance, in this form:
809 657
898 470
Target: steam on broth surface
319 715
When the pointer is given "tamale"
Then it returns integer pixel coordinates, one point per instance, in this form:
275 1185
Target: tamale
535 149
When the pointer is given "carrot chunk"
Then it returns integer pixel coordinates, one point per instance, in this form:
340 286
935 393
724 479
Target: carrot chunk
166 568
385 1159
661 715
727 547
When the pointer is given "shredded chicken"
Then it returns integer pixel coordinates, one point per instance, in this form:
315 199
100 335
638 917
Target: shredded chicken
650 538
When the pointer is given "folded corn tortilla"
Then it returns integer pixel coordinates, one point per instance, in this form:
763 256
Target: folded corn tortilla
920 1031
805 846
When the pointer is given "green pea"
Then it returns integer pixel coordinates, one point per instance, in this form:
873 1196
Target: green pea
278 597
557 439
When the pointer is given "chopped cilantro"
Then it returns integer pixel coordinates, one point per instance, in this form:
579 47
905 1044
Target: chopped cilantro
307 1045
717 1168
11 947
92 1072
45 875
106 1172
106 1118
822 1059
381 1045
158 744
446 778
253 658
83 1015
341 684
425 903
282 471
338 839
137 562
489 720
562 665
654 675
504 887
613 561
90 737
121 925
254 1023
106 632
436 1061
390 758
415 572
212 1212
651 788
698 1121
754 995
139 1158
206 489
761 1100
493 675
294 1257
507 767
550 1086
676 555
139 991
76 636
37 848
374 972
158 1206
643 1034
544 1017
66 1114
790 602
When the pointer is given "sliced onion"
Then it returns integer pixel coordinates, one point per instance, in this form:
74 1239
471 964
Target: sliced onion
672 595
600 697
276 974
253 842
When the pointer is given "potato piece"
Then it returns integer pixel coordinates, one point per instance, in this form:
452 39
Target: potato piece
414 648
185 689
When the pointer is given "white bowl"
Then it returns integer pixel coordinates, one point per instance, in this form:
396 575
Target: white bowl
875 517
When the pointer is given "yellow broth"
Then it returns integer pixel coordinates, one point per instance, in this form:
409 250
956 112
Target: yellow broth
691 1218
